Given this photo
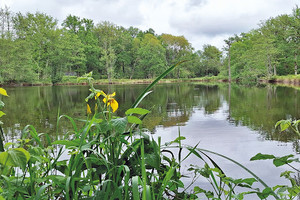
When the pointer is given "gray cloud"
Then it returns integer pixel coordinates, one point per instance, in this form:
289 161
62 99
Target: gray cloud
213 26
196 3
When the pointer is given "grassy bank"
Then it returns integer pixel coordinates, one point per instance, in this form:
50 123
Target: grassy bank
72 80
288 80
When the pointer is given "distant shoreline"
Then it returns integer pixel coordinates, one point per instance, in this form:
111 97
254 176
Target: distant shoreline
281 80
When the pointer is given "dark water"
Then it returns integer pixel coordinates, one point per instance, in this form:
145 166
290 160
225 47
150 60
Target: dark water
234 120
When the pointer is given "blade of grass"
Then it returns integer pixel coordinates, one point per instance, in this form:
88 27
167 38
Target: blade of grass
1 140
165 181
135 188
146 91
40 191
148 192
144 176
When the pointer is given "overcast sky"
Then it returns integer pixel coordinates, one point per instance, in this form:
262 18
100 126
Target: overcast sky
200 21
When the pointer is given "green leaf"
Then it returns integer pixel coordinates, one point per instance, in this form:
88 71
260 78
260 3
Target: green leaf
286 174
1 113
17 157
134 120
260 156
41 191
119 124
284 124
198 190
135 188
265 193
249 181
139 111
3 92
279 161
177 140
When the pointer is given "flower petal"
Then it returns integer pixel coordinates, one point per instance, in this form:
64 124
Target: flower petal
114 105
3 92
88 109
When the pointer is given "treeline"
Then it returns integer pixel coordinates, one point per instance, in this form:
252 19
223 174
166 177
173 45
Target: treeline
270 50
35 48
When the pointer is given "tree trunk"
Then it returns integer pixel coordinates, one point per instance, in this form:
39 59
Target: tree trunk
269 66
296 66
229 72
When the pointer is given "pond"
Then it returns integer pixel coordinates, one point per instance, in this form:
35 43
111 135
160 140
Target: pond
234 120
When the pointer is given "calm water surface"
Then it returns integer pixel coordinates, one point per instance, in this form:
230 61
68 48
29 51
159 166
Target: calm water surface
234 120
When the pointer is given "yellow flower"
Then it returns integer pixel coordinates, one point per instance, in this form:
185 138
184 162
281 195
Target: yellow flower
99 93
110 101
3 92
88 109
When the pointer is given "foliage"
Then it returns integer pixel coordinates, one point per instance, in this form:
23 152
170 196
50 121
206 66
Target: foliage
270 50
33 48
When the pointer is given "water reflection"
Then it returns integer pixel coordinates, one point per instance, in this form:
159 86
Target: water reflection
258 108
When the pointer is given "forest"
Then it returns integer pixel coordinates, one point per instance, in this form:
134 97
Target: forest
35 48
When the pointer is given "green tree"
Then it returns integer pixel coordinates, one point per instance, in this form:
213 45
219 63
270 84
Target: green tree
210 60
107 34
177 48
39 30
123 50
6 22
150 57
66 55
15 63
294 37
84 30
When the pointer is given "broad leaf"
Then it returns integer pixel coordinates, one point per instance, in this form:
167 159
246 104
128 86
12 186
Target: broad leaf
265 193
139 111
284 124
283 160
119 124
260 156
134 120
17 157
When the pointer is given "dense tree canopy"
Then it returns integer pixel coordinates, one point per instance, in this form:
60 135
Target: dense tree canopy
270 50
35 48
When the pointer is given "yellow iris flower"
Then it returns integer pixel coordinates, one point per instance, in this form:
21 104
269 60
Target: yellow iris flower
88 109
99 93
110 101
